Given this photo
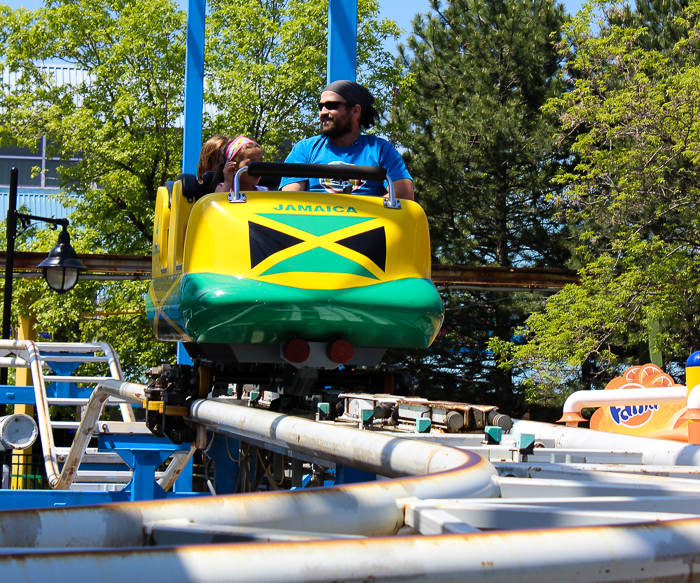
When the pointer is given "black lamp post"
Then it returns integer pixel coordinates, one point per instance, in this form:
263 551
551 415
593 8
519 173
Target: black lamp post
61 268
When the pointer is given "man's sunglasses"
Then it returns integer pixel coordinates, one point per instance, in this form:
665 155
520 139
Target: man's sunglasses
333 105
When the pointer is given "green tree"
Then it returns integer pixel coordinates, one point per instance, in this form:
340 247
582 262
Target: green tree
483 156
94 311
266 66
658 17
120 115
633 197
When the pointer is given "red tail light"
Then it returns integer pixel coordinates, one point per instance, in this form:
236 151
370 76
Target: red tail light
340 351
296 350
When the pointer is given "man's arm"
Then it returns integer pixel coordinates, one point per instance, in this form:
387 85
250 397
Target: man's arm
296 186
396 169
404 189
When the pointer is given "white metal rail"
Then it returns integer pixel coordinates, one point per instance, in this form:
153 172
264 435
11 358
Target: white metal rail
34 355
572 524
530 521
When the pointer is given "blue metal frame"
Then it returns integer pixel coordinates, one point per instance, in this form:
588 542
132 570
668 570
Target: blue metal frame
144 455
194 86
342 40
222 450
22 499
348 475
341 64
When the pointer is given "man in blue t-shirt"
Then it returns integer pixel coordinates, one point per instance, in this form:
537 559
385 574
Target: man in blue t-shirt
346 108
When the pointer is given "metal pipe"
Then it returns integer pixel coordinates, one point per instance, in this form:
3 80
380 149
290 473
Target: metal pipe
694 398
60 358
640 553
70 379
648 552
237 196
648 396
78 402
48 448
17 431
174 469
656 452
131 392
391 202
56 479
70 346
116 370
379 454
11 236
12 362
127 391
370 509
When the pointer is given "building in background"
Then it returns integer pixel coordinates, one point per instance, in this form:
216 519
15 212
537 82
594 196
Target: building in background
36 190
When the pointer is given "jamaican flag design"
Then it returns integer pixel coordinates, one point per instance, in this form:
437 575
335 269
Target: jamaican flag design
281 265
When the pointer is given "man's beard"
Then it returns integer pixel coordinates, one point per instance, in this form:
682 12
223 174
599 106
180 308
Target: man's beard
340 128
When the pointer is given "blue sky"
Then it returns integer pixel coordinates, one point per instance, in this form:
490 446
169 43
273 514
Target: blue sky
402 11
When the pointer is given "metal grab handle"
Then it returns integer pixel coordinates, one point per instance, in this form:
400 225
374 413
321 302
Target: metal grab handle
235 194
334 171
338 171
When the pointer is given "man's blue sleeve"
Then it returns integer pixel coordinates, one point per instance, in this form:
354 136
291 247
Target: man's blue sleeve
296 156
392 161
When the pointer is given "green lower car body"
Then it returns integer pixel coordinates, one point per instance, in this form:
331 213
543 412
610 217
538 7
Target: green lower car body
212 308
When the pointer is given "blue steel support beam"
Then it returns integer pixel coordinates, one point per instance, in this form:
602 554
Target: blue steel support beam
342 40
348 475
194 103
143 454
226 455
194 86
20 499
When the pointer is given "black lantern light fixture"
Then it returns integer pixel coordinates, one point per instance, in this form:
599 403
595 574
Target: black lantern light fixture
62 267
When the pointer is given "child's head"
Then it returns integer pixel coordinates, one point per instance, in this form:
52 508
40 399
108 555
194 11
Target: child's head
242 151
212 154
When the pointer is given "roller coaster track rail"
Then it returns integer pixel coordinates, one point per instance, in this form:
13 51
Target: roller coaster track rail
486 278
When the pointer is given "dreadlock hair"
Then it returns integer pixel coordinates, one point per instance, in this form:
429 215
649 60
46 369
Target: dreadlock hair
369 117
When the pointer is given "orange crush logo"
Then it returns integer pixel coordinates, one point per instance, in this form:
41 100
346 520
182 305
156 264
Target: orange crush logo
632 415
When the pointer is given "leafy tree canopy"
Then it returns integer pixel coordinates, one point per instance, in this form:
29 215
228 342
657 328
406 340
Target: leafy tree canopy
480 150
119 112
266 66
482 154
633 199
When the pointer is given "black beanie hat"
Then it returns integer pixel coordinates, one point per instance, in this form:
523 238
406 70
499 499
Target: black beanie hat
351 92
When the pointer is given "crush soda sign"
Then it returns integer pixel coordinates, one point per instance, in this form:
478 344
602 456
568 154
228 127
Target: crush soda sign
632 415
